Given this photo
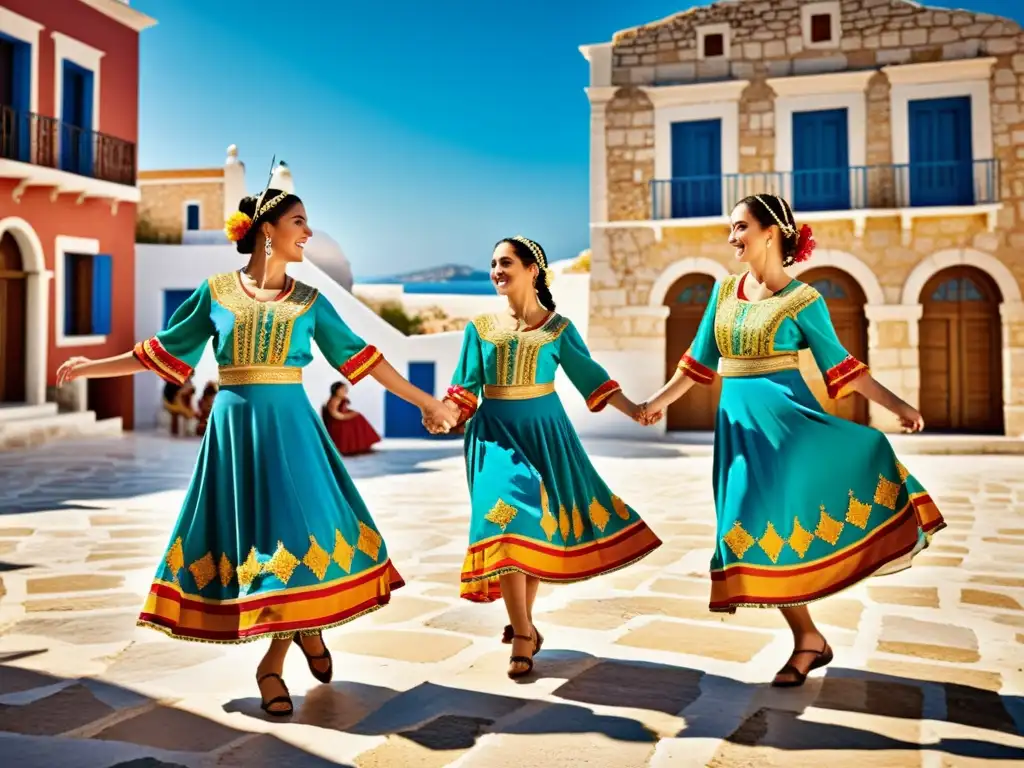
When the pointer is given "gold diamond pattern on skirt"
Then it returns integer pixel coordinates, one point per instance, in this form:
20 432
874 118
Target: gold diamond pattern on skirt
800 539
771 543
828 528
577 522
316 558
248 570
225 569
599 516
620 508
343 552
547 521
857 513
175 559
282 564
369 541
904 472
563 523
203 570
501 514
738 540
886 493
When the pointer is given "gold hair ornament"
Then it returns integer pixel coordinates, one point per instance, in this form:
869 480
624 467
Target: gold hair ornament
784 225
538 254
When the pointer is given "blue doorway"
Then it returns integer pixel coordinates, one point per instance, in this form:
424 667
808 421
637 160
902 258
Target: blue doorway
821 162
173 298
696 169
402 419
941 154
76 119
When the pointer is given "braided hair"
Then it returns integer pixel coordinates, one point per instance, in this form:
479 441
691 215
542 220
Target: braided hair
772 210
279 204
530 252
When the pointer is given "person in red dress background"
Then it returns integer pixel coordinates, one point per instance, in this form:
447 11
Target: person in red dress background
350 431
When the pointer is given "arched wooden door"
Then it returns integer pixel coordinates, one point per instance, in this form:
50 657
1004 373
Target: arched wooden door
960 352
687 299
845 300
12 321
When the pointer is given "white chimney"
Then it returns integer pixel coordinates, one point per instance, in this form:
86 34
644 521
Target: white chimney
234 181
281 178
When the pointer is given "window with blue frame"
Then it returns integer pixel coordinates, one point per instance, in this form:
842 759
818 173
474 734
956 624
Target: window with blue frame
192 217
15 97
76 135
821 164
941 152
88 289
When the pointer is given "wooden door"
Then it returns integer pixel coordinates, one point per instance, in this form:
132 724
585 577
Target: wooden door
960 353
687 300
845 301
821 165
12 321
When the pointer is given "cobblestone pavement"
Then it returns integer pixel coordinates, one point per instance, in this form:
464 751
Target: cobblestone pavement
634 672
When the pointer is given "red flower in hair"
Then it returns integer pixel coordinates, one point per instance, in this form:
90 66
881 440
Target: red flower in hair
804 244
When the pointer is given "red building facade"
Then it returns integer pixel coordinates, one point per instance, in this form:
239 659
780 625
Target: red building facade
69 83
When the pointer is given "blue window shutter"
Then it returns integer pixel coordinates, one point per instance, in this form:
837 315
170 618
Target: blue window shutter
192 216
69 294
102 285
696 168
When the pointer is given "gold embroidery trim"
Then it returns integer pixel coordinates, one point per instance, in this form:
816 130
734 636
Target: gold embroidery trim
771 543
748 329
238 375
518 392
225 570
282 564
203 570
316 559
599 516
518 351
887 492
800 539
756 366
738 540
343 552
175 559
369 541
501 514
548 523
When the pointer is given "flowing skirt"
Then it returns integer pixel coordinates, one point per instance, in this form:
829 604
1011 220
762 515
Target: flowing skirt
538 505
272 538
352 436
807 504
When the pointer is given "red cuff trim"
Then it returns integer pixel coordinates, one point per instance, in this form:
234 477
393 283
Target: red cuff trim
838 378
463 399
599 397
357 367
699 373
152 355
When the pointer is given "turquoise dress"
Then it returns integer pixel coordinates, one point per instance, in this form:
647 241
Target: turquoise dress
807 503
272 537
538 505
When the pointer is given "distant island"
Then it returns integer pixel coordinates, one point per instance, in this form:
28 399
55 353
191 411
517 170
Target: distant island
447 273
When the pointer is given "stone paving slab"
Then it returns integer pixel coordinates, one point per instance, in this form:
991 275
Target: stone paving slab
635 671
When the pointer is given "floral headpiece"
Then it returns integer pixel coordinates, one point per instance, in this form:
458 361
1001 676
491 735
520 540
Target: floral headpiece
538 254
239 223
805 237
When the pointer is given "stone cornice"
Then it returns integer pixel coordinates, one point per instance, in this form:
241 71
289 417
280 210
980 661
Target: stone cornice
697 93
958 70
813 85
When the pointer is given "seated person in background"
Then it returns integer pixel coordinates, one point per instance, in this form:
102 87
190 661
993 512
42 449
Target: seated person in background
350 431
178 403
205 406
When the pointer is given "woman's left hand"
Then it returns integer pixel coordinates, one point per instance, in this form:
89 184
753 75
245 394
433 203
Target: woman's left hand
437 418
910 419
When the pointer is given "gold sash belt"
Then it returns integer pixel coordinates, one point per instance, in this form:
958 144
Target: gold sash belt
756 366
236 375
518 392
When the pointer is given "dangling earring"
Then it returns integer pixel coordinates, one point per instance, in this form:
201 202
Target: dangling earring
769 243
268 251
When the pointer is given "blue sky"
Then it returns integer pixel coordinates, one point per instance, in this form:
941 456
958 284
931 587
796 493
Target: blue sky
418 135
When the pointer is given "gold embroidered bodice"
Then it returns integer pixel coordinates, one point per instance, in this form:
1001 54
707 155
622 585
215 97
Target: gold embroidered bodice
762 328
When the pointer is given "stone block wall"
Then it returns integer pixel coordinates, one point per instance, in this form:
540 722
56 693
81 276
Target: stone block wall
766 42
162 208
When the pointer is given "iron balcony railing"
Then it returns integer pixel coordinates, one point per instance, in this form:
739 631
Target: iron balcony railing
907 185
47 141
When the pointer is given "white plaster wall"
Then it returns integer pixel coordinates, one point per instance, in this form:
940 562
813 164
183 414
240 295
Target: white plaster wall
453 304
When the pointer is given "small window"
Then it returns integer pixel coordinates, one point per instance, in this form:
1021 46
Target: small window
714 46
821 28
192 217
87 294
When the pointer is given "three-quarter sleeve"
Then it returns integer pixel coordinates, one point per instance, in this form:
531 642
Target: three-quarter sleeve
585 373
175 351
344 350
700 361
838 367
468 379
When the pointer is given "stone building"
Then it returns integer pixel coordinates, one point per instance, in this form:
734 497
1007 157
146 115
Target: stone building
896 131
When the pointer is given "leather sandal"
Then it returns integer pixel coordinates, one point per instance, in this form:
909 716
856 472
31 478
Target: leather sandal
286 699
326 675
527 660
821 659
509 633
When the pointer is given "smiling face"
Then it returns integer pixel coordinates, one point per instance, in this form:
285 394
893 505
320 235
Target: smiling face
289 235
508 273
747 236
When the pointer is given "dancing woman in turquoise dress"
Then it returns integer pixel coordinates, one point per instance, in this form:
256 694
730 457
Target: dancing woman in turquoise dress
540 511
273 539
807 503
